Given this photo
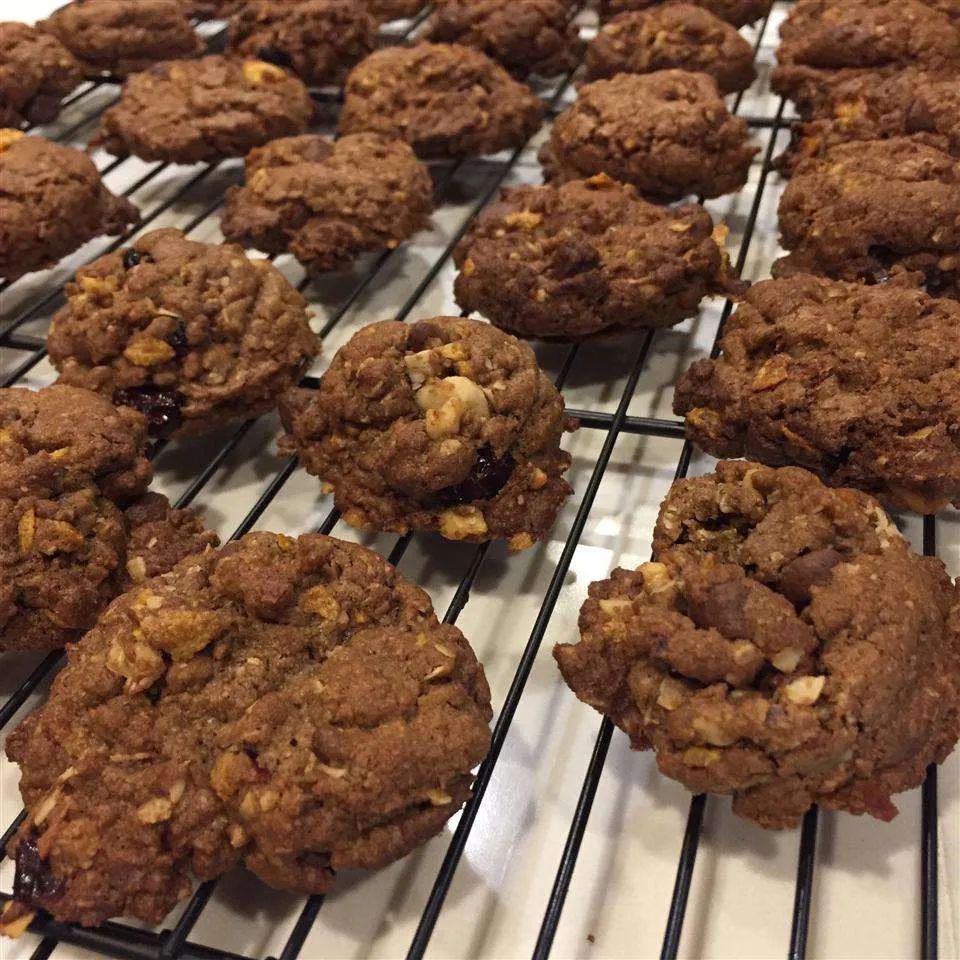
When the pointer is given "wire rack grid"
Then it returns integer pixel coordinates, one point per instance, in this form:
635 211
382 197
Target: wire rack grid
570 845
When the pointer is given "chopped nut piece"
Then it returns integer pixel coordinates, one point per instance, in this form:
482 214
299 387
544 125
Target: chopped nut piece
321 601
786 660
137 568
155 811
614 606
149 351
712 732
258 71
701 756
434 395
772 373
439 798
14 924
805 691
525 219
672 693
459 523
176 791
26 529
8 137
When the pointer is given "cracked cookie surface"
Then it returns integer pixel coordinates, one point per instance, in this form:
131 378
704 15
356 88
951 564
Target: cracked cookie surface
668 133
680 36
860 384
52 201
586 257
445 100
445 424
193 335
328 202
785 646
188 111
292 705
78 526
737 12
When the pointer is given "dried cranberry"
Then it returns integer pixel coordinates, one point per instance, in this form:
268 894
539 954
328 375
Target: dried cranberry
276 56
159 405
487 478
33 880
178 340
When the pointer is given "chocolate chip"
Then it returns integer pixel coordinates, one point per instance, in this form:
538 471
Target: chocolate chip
487 478
132 256
276 56
33 880
810 570
159 405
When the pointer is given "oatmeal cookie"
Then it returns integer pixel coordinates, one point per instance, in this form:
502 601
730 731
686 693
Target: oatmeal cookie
785 646
587 257
444 100
860 384
320 40
329 202
668 133
52 201
207 9
77 524
446 424
193 335
924 106
187 111
737 12
36 72
292 705
824 41
386 10
119 37
869 210
525 36
682 36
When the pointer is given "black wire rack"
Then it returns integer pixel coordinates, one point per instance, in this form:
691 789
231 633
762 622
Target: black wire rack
121 940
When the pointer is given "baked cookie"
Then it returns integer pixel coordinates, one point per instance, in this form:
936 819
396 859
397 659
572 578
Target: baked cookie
914 103
682 36
668 133
36 71
442 99
866 210
786 646
52 201
586 257
445 424
860 384
737 12
119 37
525 36
187 111
328 202
193 335
824 41
385 10
207 9
292 705
319 40
77 524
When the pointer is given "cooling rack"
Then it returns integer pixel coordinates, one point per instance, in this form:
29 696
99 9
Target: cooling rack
570 845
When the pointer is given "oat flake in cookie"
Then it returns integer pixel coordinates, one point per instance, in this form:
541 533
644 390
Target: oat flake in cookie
668 133
193 335
36 71
785 646
737 12
586 257
860 384
292 705
328 202
320 40
445 424
119 37
77 526
52 201
445 100
187 111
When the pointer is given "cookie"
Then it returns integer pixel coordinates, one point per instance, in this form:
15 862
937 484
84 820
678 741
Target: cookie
193 335
668 133
329 202
867 210
386 10
52 201
187 111
785 646
319 40
682 36
36 71
824 41
78 526
292 705
119 37
446 101
859 384
737 12
587 257
207 9
445 424
525 36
